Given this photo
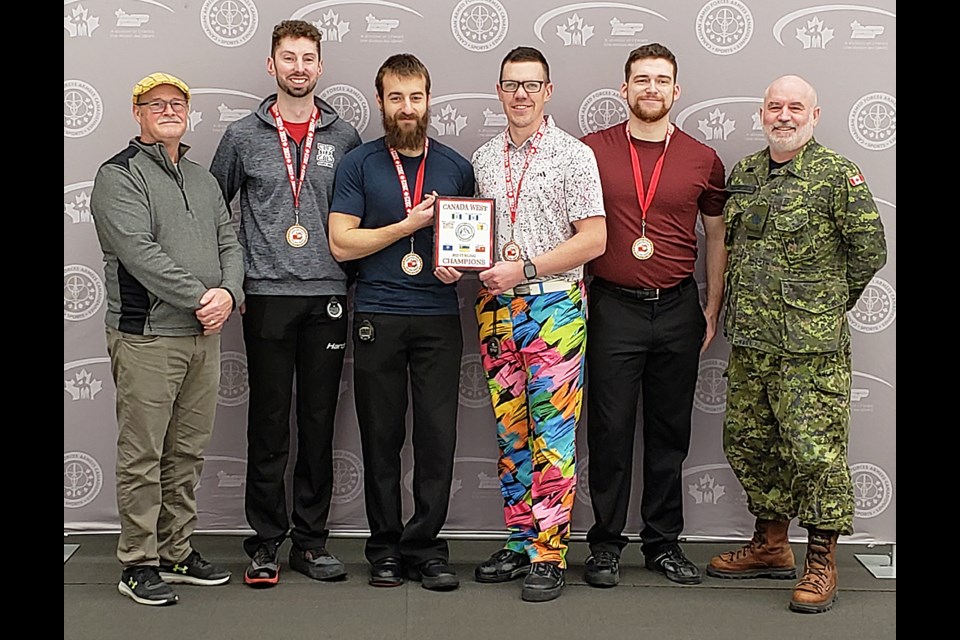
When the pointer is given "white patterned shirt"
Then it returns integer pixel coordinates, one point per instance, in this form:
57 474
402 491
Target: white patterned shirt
561 186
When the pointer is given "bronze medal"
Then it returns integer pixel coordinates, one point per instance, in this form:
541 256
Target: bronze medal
297 236
642 248
511 251
412 264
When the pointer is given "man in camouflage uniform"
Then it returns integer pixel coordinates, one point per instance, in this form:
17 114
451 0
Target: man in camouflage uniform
805 238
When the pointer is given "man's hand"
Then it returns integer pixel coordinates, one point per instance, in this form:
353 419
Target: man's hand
216 305
447 275
711 332
504 275
422 215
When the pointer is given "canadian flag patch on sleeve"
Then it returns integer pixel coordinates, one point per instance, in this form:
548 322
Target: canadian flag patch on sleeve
857 180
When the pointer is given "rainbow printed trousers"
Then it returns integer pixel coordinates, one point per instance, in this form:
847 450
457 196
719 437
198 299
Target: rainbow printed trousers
532 348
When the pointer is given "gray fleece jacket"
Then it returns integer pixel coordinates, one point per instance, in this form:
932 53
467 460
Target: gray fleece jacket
166 237
249 161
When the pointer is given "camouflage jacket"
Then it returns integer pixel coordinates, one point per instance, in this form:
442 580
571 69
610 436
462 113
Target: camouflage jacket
804 242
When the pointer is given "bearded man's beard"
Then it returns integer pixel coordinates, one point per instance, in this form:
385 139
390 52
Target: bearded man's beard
649 115
398 137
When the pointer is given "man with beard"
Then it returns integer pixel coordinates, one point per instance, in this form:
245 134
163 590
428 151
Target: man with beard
805 239
406 324
281 160
531 313
647 328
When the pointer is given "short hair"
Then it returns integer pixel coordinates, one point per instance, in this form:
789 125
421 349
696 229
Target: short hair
403 65
526 54
652 50
294 29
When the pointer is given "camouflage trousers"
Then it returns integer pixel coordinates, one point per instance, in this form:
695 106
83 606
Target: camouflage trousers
785 435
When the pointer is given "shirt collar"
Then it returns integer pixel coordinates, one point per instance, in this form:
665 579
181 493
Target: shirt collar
550 124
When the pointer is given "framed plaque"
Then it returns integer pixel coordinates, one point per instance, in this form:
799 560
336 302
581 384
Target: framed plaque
463 228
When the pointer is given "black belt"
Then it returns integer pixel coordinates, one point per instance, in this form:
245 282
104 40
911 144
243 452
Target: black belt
647 295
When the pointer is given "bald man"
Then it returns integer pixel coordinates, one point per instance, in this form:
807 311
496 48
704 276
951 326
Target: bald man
805 238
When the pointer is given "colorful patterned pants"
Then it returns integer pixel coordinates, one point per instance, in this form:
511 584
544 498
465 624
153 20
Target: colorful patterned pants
536 382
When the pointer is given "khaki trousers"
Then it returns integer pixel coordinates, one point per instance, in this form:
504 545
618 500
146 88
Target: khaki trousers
166 403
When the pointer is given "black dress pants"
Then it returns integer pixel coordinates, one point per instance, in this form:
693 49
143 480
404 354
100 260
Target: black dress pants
650 349
422 353
287 336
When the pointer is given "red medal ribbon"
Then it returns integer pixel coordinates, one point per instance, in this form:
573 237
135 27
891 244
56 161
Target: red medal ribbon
646 200
295 184
513 199
404 186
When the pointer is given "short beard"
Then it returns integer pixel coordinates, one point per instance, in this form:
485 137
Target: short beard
296 91
800 137
646 116
398 138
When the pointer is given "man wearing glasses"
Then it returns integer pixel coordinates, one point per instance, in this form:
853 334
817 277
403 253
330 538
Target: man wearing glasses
531 313
174 274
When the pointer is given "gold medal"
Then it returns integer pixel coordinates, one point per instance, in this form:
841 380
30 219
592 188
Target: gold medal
297 236
642 248
412 264
511 251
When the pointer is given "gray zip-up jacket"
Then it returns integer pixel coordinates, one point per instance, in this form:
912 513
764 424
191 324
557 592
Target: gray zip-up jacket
249 161
166 237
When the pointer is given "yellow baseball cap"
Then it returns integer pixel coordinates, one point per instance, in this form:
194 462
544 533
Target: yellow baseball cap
155 80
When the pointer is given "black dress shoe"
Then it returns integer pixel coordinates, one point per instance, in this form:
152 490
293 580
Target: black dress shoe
603 569
503 566
544 582
672 563
386 572
434 574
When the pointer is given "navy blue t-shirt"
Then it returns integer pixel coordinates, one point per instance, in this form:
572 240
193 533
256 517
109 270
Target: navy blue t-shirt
367 186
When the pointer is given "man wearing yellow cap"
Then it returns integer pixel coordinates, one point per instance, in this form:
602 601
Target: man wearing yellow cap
174 274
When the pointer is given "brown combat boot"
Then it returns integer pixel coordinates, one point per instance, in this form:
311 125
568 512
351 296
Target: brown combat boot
817 589
767 555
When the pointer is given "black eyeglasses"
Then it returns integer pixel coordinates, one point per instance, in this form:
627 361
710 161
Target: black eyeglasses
530 86
159 106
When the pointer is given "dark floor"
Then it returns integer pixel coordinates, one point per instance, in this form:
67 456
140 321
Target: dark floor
644 606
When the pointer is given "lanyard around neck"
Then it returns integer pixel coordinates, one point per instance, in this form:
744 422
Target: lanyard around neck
646 199
295 184
408 201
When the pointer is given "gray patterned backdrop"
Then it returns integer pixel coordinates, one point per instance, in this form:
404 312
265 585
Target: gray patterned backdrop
728 51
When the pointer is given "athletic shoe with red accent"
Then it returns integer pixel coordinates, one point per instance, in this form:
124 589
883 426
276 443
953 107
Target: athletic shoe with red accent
264 569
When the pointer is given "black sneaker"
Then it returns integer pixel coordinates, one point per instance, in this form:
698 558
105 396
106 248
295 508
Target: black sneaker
503 566
544 582
316 563
144 586
603 569
194 570
264 570
672 563
435 575
386 572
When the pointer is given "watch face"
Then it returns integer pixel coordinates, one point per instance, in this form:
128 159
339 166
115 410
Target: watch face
529 271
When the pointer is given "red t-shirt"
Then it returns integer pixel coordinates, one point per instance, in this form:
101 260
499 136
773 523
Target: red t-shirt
297 130
692 180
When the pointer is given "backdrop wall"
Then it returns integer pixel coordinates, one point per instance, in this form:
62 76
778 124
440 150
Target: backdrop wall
728 51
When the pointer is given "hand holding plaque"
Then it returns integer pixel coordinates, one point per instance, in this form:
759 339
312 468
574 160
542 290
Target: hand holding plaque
463 231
